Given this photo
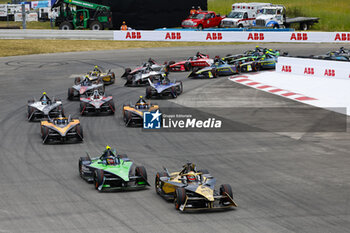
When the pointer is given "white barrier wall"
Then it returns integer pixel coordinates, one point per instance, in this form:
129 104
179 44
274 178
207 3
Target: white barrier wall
225 36
314 67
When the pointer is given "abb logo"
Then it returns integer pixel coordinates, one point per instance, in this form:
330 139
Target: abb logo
256 36
133 35
329 72
342 37
309 70
214 36
299 36
173 36
287 69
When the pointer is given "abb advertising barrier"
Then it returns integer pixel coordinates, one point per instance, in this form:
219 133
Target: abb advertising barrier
207 36
314 67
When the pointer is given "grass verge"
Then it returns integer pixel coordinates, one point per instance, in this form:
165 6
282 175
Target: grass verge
26 47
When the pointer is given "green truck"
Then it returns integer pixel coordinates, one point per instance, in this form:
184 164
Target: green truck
76 14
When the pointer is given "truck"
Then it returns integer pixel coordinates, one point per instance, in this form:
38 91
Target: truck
202 19
243 15
274 16
77 14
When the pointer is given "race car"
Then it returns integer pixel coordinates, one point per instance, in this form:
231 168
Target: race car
163 87
108 77
267 61
43 108
199 60
193 189
84 87
61 129
133 114
140 78
97 103
340 55
257 53
218 68
150 63
112 171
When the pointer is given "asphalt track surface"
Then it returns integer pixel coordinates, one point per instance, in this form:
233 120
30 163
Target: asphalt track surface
282 182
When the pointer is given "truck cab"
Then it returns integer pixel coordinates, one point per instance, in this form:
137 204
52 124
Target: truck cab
243 15
203 19
271 17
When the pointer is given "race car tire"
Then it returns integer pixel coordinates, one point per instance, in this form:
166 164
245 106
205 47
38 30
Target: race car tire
98 178
30 112
179 88
227 55
173 92
82 108
80 164
240 26
45 134
171 62
180 197
214 72
112 106
157 183
77 80
141 171
128 118
70 93
66 26
96 26
126 72
257 67
188 66
243 68
80 133
31 101
148 92
226 188
129 79
200 27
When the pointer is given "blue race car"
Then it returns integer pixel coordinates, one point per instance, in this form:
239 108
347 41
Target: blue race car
218 68
267 61
164 87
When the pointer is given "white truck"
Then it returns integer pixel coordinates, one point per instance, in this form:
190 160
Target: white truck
243 15
274 16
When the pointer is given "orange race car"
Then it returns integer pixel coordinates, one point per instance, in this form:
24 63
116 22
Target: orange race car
61 129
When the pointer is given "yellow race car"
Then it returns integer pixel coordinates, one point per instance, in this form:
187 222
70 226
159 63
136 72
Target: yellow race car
133 114
193 189
61 129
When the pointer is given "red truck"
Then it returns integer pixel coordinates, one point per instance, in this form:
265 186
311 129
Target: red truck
203 19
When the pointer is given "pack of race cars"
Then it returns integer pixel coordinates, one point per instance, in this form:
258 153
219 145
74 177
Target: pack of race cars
189 189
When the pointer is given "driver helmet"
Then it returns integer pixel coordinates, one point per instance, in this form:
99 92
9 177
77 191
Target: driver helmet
191 176
141 103
96 94
44 99
60 121
96 68
110 161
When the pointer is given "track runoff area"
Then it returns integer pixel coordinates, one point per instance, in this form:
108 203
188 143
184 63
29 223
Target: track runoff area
286 160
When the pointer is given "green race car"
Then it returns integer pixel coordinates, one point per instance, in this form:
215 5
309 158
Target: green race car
112 172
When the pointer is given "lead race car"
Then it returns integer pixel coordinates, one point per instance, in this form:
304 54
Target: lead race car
164 87
61 129
199 60
218 68
133 114
112 171
84 87
193 189
43 108
97 103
